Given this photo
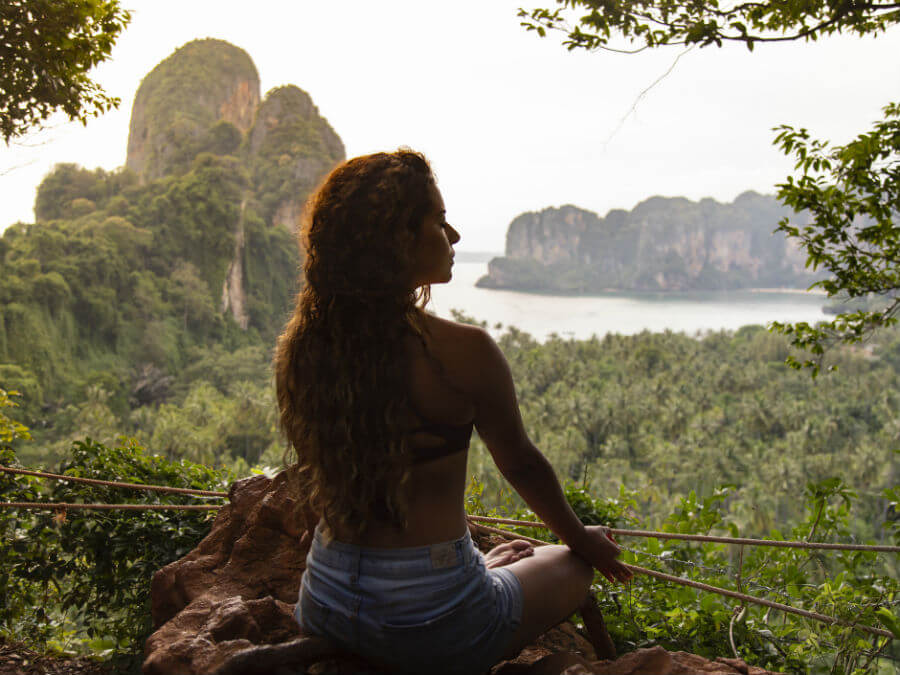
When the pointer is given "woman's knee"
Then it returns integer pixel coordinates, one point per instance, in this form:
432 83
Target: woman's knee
562 570
578 565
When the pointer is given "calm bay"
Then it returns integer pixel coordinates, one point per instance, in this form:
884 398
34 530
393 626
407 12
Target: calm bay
625 313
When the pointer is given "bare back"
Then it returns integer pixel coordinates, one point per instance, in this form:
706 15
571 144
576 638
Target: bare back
440 391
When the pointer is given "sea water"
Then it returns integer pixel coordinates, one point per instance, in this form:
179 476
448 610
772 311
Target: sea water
625 313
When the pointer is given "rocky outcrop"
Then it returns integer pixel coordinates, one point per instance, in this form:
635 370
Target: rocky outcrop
551 236
661 245
226 607
291 148
179 101
288 214
649 661
149 385
234 298
236 589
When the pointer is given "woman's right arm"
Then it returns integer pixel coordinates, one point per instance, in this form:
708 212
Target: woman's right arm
499 425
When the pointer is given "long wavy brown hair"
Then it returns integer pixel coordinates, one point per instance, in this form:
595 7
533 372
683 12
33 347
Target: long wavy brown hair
339 368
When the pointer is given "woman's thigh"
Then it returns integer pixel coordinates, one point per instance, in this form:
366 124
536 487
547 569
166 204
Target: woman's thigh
555 583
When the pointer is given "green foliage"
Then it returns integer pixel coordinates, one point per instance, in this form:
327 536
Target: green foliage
222 138
141 287
125 285
592 24
610 413
651 612
842 584
853 195
666 414
716 435
180 84
68 182
271 272
10 430
209 426
81 580
47 49
195 218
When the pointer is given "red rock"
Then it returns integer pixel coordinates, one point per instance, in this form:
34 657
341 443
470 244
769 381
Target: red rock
236 589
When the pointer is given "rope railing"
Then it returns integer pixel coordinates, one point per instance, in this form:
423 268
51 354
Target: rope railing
824 618
703 537
501 521
476 522
117 484
64 506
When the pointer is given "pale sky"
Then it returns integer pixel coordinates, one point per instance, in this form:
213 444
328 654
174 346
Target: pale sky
510 122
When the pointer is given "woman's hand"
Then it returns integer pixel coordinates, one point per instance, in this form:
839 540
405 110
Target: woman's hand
600 550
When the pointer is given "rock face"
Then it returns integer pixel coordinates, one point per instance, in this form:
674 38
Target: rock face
201 83
291 148
236 589
234 298
651 661
661 245
226 607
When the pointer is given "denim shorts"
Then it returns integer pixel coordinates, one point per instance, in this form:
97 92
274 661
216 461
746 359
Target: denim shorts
436 608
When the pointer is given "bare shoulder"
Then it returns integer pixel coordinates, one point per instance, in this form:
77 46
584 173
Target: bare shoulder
448 334
451 329
466 349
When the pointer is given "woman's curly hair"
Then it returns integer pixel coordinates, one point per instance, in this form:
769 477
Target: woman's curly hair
339 367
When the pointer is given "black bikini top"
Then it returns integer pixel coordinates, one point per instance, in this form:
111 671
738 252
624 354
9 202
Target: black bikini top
455 436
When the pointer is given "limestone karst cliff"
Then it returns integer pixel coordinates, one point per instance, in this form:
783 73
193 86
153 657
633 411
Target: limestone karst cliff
290 148
663 244
182 98
205 98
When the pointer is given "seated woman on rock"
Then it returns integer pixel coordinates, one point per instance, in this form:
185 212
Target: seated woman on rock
378 398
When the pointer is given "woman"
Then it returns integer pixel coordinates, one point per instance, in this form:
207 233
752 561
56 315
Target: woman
379 398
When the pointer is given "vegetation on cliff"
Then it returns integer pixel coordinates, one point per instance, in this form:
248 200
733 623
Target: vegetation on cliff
289 134
202 96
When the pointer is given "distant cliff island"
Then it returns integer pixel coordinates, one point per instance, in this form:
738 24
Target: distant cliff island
663 244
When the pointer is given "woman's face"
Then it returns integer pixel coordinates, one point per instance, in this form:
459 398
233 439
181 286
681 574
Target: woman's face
433 248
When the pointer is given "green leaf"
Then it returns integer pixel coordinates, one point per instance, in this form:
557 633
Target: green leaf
889 620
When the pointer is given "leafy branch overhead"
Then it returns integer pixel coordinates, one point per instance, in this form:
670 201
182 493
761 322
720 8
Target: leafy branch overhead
47 48
591 24
852 194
